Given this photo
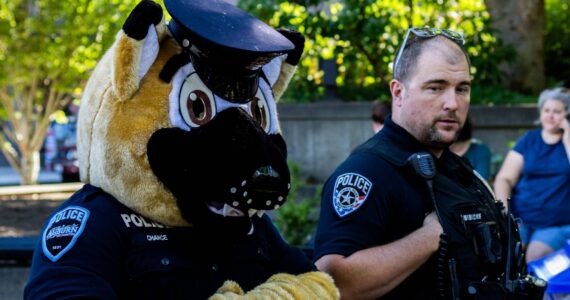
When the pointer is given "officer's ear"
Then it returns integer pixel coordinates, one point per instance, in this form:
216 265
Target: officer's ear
397 89
136 47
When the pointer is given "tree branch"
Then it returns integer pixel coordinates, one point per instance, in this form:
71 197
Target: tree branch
9 133
42 122
27 109
9 106
29 103
4 96
411 15
11 154
357 43
371 59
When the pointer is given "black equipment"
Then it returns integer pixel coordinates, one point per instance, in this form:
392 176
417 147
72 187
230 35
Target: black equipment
507 276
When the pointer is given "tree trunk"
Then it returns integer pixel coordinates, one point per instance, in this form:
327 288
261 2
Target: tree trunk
520 24
30 167
24 131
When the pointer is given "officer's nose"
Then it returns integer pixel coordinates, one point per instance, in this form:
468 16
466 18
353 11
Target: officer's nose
450 100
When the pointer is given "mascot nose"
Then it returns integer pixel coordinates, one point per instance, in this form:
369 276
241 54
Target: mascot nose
265 178
265 173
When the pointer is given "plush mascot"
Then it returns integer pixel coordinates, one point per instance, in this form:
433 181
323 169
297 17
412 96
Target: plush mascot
181 152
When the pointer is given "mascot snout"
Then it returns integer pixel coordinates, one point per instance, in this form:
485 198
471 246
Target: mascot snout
232 152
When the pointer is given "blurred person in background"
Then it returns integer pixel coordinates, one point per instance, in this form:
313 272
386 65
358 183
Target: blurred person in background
536 175
478 154
380 109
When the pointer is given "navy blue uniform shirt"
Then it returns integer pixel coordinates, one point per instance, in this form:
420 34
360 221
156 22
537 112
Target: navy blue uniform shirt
95 247
356 217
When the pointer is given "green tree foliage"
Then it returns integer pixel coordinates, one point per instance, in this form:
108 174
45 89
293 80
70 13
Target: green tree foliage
557 41
363 36
47 48
297 219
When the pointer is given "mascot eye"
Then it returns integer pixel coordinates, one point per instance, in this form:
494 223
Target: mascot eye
260 110
197 105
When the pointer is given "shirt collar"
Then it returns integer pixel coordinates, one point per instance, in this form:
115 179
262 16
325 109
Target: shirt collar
403 142
398 145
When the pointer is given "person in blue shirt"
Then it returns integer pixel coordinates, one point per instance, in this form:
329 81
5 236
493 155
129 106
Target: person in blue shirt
536 174
477 153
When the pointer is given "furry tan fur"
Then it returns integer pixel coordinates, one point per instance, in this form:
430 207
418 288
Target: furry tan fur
312 285
285 75
116 119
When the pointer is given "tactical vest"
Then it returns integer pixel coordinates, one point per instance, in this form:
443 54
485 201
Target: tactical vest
480 254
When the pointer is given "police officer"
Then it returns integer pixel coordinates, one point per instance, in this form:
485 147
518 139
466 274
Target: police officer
386 206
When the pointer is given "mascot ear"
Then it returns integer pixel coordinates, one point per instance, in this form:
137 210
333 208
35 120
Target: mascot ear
136 47
289 67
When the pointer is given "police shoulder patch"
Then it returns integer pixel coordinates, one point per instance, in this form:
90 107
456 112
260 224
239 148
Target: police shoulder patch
63 230
350 192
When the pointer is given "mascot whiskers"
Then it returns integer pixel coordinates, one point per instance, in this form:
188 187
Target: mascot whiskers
180 149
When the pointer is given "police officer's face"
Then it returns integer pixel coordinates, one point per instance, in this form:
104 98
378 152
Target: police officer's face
432 105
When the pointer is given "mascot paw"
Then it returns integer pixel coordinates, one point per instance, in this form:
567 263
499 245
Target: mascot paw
145 13
298 40
312 285
230 290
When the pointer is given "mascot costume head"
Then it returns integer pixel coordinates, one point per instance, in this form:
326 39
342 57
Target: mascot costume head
179 122
178 136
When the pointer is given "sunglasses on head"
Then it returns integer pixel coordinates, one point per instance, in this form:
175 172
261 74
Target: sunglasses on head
426 33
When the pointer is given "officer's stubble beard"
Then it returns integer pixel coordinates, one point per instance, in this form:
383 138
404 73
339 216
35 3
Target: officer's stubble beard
433 139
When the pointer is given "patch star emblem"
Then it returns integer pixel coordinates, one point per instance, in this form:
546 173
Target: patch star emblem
350 192
62 231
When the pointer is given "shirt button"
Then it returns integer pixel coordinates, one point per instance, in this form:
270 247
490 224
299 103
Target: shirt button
165 261
215 267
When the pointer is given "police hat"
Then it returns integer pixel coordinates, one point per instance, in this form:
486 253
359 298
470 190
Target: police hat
227 46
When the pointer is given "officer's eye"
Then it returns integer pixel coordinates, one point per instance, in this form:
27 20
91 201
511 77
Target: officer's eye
197 105
463 89
434 88
260 111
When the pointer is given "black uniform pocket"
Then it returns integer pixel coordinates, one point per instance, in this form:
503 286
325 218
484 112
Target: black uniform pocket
144 261
159 272
459 218
483 233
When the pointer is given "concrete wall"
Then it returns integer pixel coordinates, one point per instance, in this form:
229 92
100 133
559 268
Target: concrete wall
321 135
